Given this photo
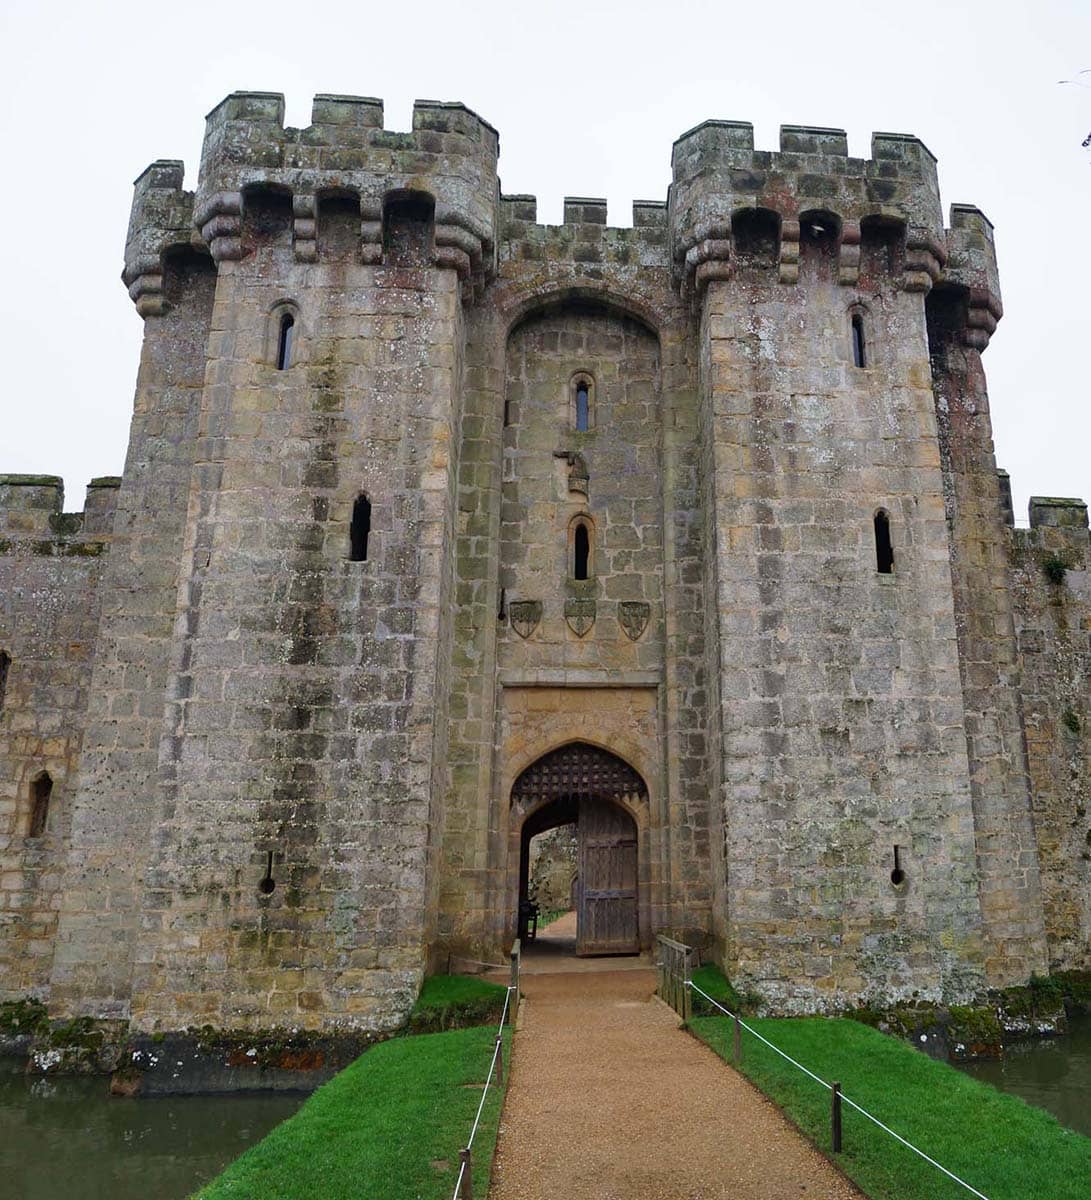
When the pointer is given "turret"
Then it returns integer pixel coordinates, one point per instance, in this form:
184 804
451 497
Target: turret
450 155
721 183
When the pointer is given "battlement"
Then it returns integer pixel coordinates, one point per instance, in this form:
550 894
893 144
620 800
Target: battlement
450 155
161 220
809 186
811 181
1058 512
584 237
32 514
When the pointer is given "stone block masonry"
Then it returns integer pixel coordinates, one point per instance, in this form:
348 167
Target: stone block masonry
421 492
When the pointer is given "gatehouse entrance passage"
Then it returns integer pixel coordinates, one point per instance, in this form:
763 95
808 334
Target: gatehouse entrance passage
598 793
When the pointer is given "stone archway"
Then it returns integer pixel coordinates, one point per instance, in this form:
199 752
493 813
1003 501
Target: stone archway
604 796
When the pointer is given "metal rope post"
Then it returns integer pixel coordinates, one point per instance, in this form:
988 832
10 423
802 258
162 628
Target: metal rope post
835 1117
687 993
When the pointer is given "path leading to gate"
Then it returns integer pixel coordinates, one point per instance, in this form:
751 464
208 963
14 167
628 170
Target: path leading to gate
610 1100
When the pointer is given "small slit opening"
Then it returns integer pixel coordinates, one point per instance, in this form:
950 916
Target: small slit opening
360 529
581 552
284 342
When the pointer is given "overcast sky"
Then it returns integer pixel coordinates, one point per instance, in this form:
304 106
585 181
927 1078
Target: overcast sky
587 99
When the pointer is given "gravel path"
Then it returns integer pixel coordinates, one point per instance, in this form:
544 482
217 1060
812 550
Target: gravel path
610 1100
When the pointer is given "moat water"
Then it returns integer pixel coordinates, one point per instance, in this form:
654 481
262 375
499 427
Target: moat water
68 1139
1053 1073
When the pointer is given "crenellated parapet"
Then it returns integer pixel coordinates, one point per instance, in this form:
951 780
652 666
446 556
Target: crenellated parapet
811 187
161 220
33 520
450 156
584 238
971 268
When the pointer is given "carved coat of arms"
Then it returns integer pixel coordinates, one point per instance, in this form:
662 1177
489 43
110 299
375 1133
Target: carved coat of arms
579 612
633 617
525 615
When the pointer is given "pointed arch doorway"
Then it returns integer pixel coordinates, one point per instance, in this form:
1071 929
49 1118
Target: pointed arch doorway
603 796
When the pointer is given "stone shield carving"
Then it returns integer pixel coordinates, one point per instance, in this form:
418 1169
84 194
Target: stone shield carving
633 617
580 615
525 615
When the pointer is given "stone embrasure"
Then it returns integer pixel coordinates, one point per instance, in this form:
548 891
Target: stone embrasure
258 742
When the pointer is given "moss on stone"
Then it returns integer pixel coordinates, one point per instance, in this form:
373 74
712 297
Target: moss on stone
21 1017
31 481
1055 567
66 524
976 1028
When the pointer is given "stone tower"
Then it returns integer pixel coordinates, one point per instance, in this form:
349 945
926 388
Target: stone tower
440 528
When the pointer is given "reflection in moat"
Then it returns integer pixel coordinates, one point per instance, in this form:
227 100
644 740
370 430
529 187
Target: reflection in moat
1053 1073
67 1139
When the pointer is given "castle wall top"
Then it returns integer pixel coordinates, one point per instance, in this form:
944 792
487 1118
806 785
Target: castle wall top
451 153
32 507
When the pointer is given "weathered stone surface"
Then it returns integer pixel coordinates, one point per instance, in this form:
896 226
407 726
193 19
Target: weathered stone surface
282 746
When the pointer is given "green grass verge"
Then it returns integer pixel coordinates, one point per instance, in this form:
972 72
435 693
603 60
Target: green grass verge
549 915
456 1002
377 1127
711 980
1005 1148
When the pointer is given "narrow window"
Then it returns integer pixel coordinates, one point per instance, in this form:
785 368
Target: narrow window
360 529
884 551
858 356
40 791
581 552
284 342
5 663
583 406
507 411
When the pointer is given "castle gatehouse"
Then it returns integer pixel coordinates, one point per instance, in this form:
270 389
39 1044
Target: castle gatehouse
440 528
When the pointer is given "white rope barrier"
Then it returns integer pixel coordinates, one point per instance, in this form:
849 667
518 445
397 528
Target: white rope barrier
829 1087
484 1093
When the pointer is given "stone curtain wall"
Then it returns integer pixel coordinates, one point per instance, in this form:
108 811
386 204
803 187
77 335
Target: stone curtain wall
51 565
1052 598
621 496
554 861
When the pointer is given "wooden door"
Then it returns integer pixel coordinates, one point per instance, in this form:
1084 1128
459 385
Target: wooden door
606 914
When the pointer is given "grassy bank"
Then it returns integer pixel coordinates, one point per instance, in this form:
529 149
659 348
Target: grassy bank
390 1125
456 1002
1005 1148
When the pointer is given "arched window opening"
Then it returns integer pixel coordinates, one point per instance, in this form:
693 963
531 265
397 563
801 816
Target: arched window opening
884 551
581 552
583 406
5 664
40 791
360 529
859 356
284 342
